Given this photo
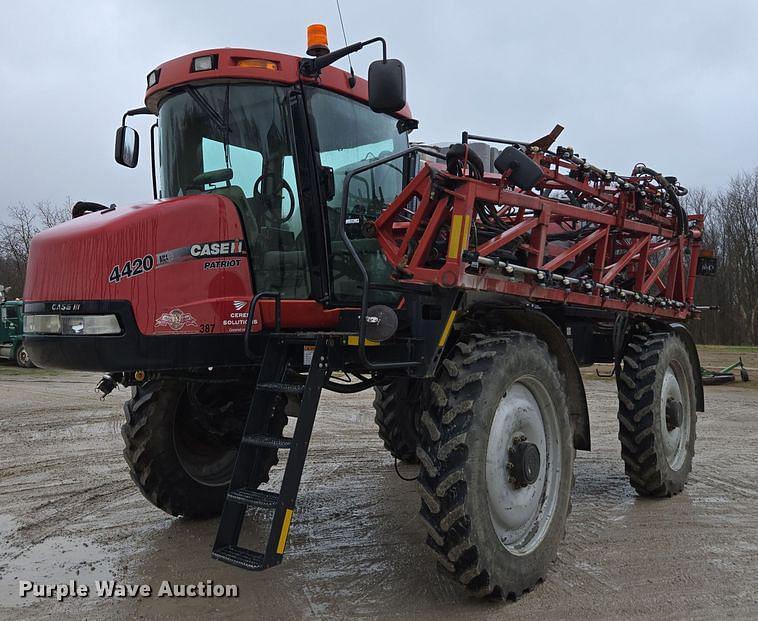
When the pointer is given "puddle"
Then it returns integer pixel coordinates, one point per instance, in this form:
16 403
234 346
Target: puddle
56 560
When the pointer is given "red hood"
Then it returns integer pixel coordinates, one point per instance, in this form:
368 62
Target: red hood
75 261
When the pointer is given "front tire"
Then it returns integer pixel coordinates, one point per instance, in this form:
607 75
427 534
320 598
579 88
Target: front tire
497 460
22 358
181 442
657 417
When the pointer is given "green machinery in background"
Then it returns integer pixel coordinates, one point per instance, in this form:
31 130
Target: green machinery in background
725 375
11 330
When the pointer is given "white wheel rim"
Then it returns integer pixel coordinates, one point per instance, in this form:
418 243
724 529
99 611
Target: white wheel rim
675 439
521 515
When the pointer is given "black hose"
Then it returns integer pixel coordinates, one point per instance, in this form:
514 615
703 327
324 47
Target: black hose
673 193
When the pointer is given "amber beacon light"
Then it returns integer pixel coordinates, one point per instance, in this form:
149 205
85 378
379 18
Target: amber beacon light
318 44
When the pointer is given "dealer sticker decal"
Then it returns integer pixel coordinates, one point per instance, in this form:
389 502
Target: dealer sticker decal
175 319
237 318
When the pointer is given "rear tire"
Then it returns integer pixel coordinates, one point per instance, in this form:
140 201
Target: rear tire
398 408
181 447
657 417
493 528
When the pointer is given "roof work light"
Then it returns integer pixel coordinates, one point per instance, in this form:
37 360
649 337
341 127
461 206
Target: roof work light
204 63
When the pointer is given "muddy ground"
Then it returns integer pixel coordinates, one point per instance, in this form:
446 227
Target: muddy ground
68 510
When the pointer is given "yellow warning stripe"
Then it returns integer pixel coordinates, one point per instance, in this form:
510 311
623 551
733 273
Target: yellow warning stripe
285 531
448 327
455 237
353 340
460 228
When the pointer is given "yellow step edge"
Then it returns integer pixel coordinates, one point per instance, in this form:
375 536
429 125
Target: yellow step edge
285 531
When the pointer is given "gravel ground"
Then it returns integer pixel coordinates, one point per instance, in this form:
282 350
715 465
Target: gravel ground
68 511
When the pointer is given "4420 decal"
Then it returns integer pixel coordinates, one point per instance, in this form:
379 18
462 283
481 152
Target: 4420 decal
131 268
203 251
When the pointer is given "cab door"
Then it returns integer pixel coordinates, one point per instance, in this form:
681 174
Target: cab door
348 134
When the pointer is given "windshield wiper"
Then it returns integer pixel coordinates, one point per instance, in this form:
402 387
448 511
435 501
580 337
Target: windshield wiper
218 120
221 122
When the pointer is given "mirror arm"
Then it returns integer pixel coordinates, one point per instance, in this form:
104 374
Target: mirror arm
384 46
311 67
134 112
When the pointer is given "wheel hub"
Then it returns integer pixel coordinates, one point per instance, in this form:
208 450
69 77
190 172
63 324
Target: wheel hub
674 414
523 462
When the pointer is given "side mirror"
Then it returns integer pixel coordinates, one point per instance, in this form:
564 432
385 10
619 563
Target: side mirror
127 146
386 85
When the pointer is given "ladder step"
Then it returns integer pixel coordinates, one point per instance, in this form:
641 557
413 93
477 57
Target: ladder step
256 437
240 557
260 439
254 497
285 387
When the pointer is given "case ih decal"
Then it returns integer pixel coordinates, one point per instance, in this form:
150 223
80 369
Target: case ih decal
226 248
202 250
175 319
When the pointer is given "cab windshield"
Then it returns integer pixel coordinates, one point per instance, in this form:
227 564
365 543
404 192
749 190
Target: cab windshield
234 140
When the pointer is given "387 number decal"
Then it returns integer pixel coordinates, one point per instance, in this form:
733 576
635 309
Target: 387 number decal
132 268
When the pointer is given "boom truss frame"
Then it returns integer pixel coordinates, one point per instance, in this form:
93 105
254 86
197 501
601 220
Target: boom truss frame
625 244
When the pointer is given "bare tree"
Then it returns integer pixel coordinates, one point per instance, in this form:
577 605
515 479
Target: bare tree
731 230
16 232
50 214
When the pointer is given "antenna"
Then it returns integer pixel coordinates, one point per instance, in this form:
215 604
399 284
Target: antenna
351 79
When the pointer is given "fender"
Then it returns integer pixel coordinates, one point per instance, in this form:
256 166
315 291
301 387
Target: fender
539 324
683 333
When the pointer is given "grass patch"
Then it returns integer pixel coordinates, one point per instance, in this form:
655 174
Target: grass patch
737 349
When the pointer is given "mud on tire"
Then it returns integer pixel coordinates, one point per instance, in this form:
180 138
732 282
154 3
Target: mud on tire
397 406
657 417
180 458
473 384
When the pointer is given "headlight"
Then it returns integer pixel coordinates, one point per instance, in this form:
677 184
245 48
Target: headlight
71 324
42 324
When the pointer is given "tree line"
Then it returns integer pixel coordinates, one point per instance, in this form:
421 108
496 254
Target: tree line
731 231
17 228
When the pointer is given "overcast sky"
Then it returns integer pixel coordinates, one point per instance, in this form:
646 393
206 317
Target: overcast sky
672 84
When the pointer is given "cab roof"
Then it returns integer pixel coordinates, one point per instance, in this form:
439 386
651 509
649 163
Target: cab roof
227 64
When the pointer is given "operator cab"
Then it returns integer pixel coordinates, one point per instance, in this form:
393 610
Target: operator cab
280 149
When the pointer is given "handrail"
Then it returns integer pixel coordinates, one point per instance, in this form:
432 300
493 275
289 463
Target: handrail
356 257
277 297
